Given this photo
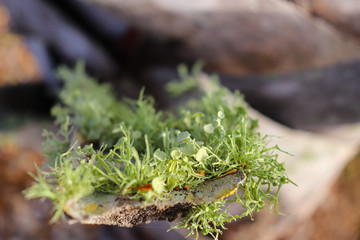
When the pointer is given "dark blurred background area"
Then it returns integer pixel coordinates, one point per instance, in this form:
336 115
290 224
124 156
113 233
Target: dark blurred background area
280 55
296 62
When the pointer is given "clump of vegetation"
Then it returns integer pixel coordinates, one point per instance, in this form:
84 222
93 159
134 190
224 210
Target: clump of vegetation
146 154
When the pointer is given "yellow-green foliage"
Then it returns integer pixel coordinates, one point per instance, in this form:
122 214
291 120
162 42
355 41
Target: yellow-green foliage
142 147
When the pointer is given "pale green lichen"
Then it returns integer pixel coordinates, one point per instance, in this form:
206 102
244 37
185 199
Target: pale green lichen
147 154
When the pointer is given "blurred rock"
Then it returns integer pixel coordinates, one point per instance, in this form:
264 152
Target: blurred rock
61 37
233 37
38 48
15 163
4 20
305 99
17 63
94 20
309 99
305 5
339 216
345 14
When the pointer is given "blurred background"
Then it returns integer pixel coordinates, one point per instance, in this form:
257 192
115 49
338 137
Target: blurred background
297 62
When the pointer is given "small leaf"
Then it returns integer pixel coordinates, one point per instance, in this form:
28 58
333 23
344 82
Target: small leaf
135 154
171 183
198 115
136 134
122 140
158 184
200 143
189 149
176 153
161 168
160 155
201 155
216 123
183 136
221 115
148 170
208 128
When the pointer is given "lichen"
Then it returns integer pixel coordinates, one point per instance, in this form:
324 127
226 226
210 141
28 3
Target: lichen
129 149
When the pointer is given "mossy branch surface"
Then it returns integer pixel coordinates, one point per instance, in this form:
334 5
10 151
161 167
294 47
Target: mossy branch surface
130 149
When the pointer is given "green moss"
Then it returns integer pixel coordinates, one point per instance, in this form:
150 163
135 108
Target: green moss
140 146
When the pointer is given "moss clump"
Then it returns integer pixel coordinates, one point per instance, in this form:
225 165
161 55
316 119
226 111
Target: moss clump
146 154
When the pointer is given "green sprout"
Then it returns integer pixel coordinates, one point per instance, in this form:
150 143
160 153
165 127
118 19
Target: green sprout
128 148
